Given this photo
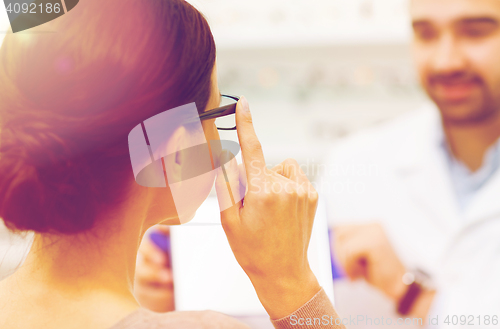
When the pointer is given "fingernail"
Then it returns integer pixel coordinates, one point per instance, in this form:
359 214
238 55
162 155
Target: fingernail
244 103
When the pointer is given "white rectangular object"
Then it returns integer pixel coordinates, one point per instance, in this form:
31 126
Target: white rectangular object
208 277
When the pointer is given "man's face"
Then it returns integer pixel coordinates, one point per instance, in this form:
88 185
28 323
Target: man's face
457 51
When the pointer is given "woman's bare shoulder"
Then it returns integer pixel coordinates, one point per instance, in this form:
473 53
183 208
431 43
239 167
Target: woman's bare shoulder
145 319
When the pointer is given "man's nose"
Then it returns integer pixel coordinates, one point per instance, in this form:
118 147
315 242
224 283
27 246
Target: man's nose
448 57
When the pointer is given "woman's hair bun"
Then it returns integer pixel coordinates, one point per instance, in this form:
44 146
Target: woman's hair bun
37 170
69 99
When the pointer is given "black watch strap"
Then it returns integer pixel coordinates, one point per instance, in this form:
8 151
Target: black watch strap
406 303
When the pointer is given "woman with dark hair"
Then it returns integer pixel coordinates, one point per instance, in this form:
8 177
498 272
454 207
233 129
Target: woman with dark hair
68 101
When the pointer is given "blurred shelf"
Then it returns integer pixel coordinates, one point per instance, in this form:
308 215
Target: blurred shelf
273 40
304 23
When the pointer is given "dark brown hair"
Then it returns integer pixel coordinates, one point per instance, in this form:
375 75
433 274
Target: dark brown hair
70 92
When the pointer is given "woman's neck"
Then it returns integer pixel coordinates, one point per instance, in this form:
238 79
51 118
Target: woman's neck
75 264
91 273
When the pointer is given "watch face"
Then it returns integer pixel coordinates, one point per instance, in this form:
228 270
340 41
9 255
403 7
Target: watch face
424 279
408 278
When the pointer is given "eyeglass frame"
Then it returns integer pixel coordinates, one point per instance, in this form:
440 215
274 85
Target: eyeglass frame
222 111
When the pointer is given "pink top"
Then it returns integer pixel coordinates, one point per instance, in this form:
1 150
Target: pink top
316 313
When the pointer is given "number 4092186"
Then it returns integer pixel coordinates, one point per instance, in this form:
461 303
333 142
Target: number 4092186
33 8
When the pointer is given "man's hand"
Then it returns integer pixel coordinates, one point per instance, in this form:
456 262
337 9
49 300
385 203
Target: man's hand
364 251
153 275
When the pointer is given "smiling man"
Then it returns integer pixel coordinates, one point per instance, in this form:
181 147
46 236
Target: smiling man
457 52
432 204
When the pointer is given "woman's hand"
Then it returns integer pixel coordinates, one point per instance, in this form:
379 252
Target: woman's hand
270 234
153 286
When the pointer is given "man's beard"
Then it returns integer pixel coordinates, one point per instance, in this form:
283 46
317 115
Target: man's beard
471 111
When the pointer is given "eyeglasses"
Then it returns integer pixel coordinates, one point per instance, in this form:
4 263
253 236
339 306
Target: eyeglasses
224 115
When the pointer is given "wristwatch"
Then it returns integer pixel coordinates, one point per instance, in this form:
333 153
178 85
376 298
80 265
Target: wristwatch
417 281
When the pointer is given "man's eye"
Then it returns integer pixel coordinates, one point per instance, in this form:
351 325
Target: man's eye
425 33
478 30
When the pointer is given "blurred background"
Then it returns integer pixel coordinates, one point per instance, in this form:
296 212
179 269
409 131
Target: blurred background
314 71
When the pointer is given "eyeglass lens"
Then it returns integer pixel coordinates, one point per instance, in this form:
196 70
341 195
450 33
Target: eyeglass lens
229 121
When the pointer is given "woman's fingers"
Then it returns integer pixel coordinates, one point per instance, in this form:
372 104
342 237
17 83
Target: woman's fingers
291 170
251 149
270 234
243 180
228 188
298 185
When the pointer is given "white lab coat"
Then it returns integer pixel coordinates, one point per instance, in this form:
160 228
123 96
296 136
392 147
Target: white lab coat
397 174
